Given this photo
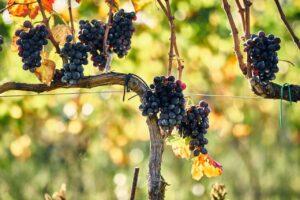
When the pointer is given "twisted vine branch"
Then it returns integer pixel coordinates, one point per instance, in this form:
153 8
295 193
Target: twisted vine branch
286 23
269 90
156 183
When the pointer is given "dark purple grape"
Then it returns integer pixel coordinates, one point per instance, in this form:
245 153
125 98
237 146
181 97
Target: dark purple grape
30 43
263 57
77 54
194 126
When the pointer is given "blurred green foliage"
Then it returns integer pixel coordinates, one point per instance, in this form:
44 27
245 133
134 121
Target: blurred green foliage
92 142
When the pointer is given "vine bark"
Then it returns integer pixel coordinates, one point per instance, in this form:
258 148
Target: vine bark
156 183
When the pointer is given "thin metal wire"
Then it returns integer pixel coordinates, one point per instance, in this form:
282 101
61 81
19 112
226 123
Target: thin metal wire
223 96
120 91
61 93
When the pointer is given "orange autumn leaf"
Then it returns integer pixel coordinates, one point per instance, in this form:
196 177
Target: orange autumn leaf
23 8
205 165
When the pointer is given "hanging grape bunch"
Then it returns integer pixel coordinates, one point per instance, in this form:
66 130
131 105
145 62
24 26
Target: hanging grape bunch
77 57
151 104
167 98
121 32
92 34
30 44
1 42
263 57
194 126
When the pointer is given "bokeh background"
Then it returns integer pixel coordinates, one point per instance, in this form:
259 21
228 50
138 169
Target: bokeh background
92 142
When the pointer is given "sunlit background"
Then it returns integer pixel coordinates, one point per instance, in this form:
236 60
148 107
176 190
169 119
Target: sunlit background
92 142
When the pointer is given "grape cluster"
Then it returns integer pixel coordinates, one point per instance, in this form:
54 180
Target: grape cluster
167 98
121 32
119 36
263 57
151 104
77 57
195 125
31 41
92 34
1 42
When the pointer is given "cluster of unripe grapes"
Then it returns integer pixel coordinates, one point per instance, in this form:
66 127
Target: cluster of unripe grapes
262 49
30 44
195 125
1 42
119 36
77 54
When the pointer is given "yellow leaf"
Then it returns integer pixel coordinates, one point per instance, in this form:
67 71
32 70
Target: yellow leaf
45 72
180 146
140 4
60 32
197 171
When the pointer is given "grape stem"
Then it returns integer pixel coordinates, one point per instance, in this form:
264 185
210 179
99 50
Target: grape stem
173 42
53 41
241 11
107 28
286 23
235 35
247 5
71 19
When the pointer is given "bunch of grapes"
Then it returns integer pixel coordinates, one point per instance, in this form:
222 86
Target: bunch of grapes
92 34
263 57
151 104
31 41
194 126
121 32
167 98
77 57
1 42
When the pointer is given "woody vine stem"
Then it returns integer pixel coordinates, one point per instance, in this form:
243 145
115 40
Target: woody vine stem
270 90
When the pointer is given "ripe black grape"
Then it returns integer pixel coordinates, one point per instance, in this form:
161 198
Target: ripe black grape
77 57
263 57
194 126
167 98
31 41
121 32
1 42
92 34
150 105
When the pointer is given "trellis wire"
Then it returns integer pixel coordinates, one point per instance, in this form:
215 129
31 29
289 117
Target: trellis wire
121 91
